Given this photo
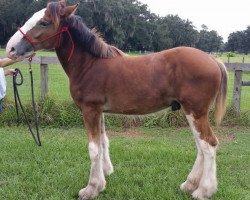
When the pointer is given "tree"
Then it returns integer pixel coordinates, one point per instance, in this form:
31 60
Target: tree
237 42
127 24
119 21
161 39
247 40
209 41
181 32
14 13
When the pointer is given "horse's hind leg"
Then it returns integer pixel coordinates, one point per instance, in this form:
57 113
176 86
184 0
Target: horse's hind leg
96 184
193 179
204 180
107 165
208 143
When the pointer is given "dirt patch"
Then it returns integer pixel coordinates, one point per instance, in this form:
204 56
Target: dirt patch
226 138
225 135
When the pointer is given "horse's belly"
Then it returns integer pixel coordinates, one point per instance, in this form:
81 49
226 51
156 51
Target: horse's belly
136 107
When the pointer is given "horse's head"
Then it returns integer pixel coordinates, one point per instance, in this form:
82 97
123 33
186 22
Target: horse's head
41 31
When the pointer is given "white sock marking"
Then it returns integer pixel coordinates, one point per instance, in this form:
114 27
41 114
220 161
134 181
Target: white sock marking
96 172
205 165
107 164
196 172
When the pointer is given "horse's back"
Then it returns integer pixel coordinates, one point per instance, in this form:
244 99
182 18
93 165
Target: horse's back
185 58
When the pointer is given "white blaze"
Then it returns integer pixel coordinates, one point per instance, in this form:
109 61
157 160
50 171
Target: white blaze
15 39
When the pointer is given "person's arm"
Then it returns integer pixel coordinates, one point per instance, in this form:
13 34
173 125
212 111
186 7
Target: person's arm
10 72
6 62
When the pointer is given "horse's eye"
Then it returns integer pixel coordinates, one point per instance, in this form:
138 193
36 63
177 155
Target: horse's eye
44 23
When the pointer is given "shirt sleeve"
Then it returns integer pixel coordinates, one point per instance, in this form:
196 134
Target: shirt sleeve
2 83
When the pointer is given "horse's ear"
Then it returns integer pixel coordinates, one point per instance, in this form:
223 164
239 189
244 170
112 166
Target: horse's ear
68 10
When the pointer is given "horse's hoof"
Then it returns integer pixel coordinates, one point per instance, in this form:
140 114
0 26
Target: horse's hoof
205 192
88 193
91 191
199 194
108 170
188 187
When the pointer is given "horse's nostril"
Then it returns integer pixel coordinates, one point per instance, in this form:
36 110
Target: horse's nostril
12 49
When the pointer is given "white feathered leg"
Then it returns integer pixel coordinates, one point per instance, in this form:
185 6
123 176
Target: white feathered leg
107 164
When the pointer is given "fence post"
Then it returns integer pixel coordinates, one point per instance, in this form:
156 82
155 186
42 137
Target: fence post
44 79
237 91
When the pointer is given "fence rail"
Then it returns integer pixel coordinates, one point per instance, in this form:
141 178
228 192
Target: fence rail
238 66
238 69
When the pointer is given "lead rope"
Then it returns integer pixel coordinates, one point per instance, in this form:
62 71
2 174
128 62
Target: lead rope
18 103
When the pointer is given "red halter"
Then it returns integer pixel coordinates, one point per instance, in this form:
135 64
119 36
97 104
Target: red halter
64 29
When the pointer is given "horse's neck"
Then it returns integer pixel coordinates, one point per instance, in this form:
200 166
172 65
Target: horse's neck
63 60
78 61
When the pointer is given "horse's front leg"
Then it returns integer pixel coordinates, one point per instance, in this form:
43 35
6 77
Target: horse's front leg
96 184
107 165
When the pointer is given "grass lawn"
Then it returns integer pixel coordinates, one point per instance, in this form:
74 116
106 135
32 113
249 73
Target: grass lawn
149 164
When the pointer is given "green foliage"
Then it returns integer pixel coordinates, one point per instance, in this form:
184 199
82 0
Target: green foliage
127 24
181 32
232 119
166 119
209 41
231 54
15 13
55 113
50 113
239 41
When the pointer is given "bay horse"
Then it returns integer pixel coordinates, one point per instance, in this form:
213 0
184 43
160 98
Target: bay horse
103 79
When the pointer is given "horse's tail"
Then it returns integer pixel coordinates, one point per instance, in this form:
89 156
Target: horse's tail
220 101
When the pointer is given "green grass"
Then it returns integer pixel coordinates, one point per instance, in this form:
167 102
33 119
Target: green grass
38 53
149 164
237 58
58 81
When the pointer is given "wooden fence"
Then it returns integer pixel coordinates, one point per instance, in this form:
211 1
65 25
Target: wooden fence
238 69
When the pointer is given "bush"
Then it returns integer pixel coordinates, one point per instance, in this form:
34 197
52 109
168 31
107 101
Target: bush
64 114
231 54
50 113
232 119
